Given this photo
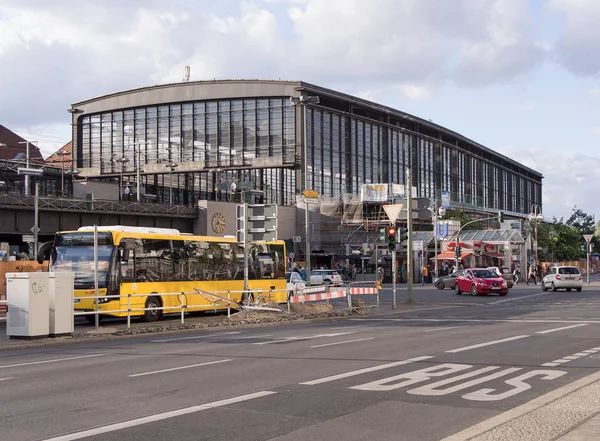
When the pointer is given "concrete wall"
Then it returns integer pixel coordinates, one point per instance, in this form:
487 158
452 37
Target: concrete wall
100 190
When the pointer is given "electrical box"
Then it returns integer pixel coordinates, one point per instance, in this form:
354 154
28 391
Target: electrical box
28 301
61 303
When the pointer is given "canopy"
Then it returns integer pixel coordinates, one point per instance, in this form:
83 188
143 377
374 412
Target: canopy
449 255
496 255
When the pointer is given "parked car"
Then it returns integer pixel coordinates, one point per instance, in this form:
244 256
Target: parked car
505 273
294 283
321 276
563 277
480 281
448 281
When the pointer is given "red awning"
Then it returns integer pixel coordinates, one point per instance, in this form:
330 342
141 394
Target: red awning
496 255
449 255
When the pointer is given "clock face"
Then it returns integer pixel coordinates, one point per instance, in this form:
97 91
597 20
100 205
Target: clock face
218 223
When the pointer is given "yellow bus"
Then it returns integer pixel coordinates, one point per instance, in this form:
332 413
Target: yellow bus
151 261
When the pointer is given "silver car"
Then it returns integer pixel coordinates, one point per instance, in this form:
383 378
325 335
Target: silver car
325 276
563 277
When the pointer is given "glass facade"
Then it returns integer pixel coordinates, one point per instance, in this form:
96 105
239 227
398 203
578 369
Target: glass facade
215 142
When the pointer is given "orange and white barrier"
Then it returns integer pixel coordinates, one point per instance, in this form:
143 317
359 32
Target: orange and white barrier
337 294
356 290
364 288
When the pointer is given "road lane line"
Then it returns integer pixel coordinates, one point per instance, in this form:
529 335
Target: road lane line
548 331
55 360
249 337
365 370
551 364
179 368
308 337
443 329
512 299
489 343
196 337
342 342
477 320
7 378
159 417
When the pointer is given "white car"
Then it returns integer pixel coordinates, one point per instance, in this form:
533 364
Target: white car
563 277
321 276
294 284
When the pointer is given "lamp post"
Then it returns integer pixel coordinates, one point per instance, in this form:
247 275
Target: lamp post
122 160
137 150
171 166
62 171
303 101
436 214
535 216
27 165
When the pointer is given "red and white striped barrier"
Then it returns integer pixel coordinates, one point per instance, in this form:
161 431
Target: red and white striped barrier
320 296
363 290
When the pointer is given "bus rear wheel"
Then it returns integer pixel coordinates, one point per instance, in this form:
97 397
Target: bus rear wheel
152 313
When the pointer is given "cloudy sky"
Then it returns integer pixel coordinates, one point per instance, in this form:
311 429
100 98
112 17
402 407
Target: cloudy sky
519 76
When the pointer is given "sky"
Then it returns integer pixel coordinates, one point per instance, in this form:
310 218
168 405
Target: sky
521 77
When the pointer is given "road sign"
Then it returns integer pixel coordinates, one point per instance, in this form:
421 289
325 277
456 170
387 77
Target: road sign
311 194
445 199
28 238
296 239
417 245
30 171
261 222
588 237
393 211
291 255
34 228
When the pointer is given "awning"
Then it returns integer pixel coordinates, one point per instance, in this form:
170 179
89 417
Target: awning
449 255
496 255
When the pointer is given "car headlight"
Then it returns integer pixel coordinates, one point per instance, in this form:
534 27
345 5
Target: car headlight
482 284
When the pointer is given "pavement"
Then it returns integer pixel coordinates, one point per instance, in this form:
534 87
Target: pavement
576 405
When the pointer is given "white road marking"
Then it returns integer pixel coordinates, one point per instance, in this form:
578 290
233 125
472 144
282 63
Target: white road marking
196 337
342 342
308 337
489 343
179 368
443 329
548 331
7 378
512 299
159 417
255 336
55 360
365 370
479 320
551 364
572 357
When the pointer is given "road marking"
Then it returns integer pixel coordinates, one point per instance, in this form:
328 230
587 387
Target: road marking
365 370
8 378
255 336
342 342
443 329
489 343
512 299
55 360
308 337
196 337
179 368
548 331
479 320
158 417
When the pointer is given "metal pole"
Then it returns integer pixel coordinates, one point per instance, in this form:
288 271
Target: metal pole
62 177
588 263
435 236
139 175
246 261
27 193
121 183
97 318
409 256
394 272
36 220
170 185
306 212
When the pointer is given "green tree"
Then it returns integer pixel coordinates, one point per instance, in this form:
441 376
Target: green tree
585 224
560 241
460 215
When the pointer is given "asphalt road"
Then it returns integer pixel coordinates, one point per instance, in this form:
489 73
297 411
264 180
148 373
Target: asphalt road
422 372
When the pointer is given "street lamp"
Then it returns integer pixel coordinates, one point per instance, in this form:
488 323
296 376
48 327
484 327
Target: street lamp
27 165
303 101
437 213
138 149
73 173
171 166
62 171
535 216
122 160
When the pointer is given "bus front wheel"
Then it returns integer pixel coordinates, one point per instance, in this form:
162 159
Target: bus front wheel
152 312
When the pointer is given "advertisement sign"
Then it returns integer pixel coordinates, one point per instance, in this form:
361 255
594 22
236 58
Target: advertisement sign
374 192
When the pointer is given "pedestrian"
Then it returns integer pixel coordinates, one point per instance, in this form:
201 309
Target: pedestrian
302 273
425 274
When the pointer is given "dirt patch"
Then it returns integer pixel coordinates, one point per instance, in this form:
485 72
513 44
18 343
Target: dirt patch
310 308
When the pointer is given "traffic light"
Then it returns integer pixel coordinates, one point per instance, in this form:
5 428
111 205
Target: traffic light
391 238
403 234
458 251
500 216
381 234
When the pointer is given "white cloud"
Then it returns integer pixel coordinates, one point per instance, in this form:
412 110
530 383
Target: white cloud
416 91
578 42
596 130
529 107
595 93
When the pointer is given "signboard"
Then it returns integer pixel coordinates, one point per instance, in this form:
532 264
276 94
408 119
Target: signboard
393 211
296 239
312 194
417 245
445 199
374 193
588 237
28 238
261 223
30 171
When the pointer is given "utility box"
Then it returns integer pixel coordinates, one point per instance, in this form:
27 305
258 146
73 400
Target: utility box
62 320
28 300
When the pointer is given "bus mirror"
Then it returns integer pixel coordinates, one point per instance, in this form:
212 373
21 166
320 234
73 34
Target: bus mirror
44 251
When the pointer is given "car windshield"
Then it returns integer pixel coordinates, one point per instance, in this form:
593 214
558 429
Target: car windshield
568 270
80 260
485 274
288 276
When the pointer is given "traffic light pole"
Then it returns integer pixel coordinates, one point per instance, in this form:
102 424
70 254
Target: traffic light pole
394 274
409 247
500 218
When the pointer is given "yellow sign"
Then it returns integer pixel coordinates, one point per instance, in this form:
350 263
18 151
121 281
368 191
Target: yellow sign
313 194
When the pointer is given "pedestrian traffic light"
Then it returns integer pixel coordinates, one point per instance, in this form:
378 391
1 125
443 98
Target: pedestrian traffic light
391 238
500 216
381 234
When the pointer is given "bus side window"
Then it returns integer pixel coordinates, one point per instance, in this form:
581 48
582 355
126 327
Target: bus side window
127 261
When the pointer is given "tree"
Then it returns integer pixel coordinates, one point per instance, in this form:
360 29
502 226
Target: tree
585 224
460 215
561 241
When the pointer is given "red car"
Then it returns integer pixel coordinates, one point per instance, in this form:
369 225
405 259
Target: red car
480 281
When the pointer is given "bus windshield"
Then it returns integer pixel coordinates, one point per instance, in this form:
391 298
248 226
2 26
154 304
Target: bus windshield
80 260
